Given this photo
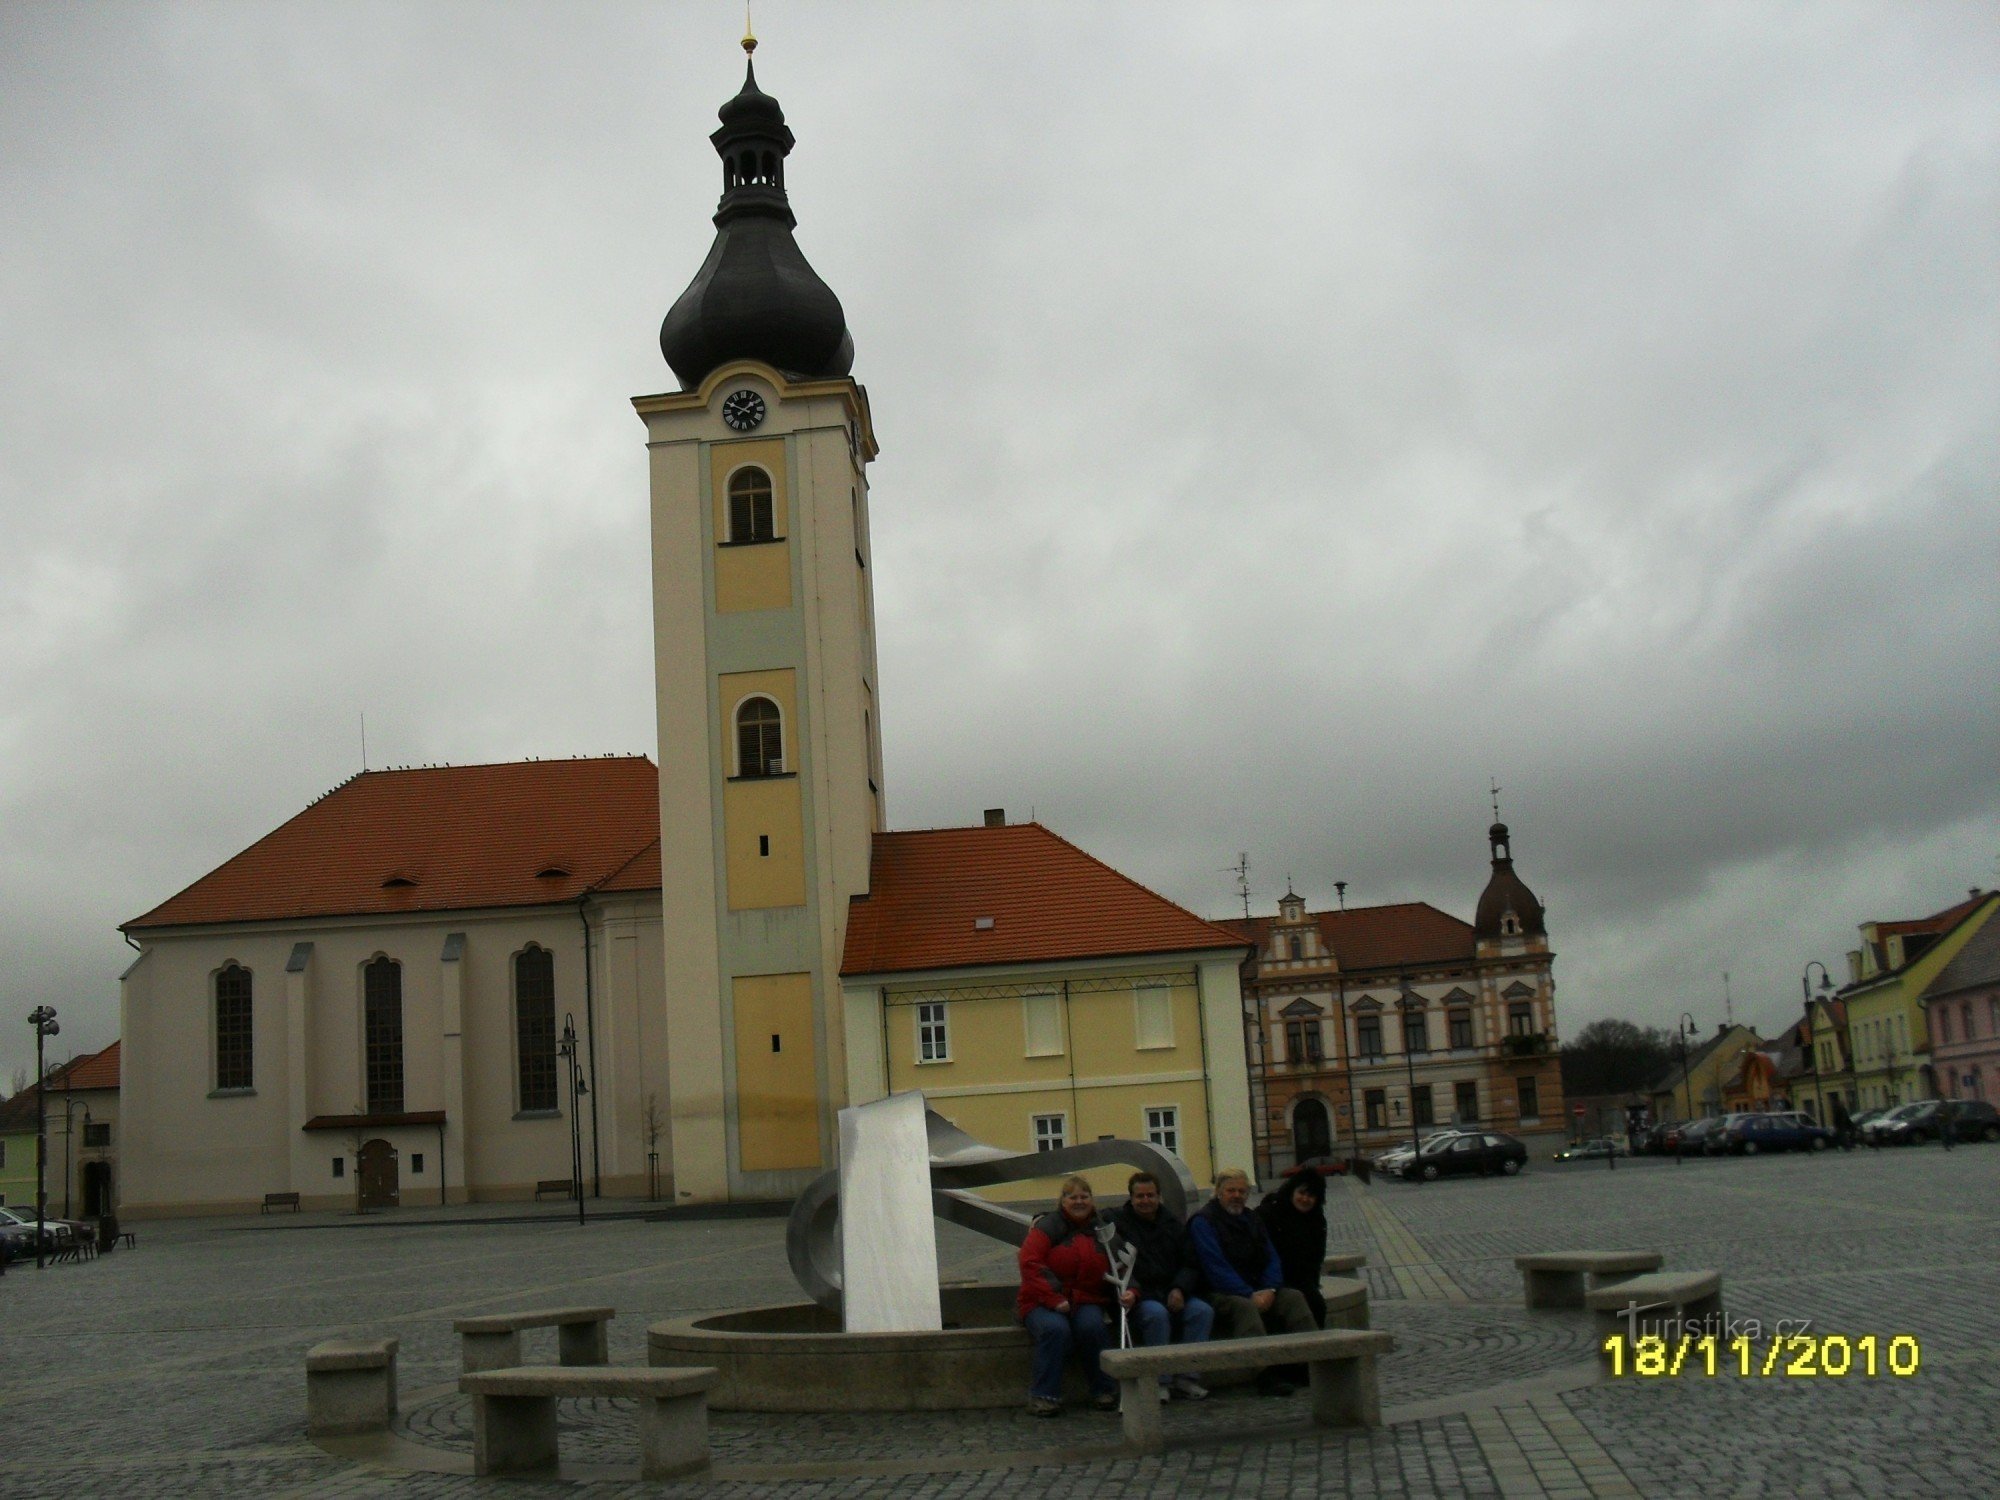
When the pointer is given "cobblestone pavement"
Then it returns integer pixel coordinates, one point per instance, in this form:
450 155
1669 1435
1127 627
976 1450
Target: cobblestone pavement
176 1368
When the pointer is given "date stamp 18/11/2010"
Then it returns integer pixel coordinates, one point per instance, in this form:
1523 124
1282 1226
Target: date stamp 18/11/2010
1797 1356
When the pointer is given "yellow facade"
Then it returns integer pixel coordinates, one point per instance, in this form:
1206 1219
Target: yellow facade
1887 1025
762 818
777 1089
1099 1056
754 575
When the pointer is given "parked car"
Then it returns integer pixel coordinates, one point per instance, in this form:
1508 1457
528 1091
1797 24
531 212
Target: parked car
1692 1138
1468 1154
1593 1150
1716 1141
1778 1130
1326 1166
20 1229
1881 1130
1398 1156
1969 1120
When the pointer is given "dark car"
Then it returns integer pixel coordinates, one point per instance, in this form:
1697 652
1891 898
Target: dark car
1780 1130
1592 1150
1967 1119
1692 1139
1472 1154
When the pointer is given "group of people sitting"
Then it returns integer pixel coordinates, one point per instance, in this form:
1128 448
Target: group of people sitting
1230 1271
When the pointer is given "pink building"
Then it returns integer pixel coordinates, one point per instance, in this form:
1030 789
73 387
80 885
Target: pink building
1962 1007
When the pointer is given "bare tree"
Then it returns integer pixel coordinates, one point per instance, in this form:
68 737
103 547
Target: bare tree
655 1124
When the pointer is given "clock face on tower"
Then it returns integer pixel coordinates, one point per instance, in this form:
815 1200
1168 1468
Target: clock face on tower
743 410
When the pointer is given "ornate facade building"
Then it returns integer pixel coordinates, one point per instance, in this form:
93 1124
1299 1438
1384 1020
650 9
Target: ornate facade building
1363 1026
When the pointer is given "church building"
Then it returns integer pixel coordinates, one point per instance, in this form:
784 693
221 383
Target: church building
456 982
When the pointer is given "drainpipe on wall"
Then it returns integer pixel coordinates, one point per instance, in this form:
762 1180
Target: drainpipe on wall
590 1045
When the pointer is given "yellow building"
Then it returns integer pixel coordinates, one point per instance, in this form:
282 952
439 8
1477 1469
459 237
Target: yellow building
1887 976
1039 999
1699 1086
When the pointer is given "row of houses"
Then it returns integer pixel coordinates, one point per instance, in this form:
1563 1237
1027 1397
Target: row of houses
75 1108
1917 1018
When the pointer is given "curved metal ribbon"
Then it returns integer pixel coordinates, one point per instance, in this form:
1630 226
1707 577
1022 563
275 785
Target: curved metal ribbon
958 1163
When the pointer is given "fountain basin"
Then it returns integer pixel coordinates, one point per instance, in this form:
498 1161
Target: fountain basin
796 1357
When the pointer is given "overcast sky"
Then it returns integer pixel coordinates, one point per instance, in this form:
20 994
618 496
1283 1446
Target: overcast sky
1291 417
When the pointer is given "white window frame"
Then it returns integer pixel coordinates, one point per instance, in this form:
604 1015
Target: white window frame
1044 1140
1163 1126
1141 993
940 1045
1048 1004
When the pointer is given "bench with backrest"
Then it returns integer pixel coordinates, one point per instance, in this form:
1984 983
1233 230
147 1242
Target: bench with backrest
280 1200
561 1187
350 1386
1340 1364
493 1340
514 1415
1643 1304
1557 1278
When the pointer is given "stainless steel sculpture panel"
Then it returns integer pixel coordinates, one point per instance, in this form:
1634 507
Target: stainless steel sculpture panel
888 1246
957 1164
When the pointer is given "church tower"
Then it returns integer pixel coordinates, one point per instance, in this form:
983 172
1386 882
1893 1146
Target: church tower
764 667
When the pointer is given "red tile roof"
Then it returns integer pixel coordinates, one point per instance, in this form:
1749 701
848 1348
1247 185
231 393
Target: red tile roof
1942 921
1405 935
450 837
99 1070
1047 900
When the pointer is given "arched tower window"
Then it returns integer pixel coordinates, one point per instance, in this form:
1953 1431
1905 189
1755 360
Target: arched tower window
750 516
760 739
535 1027
382 1040
232 1028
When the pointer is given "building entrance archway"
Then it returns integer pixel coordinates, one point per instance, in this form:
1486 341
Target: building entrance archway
380 1175
96 1188
1312 1131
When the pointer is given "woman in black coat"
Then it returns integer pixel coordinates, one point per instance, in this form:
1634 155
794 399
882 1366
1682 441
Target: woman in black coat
1295 1215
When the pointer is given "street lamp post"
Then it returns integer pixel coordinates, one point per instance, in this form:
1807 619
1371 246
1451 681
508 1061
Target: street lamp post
43 1019
1406 1003
1812 1031
1686 1030
567 1049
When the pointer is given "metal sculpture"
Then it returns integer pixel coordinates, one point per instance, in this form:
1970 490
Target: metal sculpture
958 1164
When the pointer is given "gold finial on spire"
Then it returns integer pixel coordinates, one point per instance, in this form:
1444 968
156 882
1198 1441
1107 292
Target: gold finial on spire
749 33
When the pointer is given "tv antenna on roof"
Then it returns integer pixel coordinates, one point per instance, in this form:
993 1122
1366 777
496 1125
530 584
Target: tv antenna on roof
1241 870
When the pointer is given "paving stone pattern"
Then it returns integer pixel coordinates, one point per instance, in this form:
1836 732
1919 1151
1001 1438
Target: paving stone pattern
177 1368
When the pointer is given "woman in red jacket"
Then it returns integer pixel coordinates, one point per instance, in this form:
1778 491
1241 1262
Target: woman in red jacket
1064 1299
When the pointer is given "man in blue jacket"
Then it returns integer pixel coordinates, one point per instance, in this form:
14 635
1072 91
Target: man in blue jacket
1246 1284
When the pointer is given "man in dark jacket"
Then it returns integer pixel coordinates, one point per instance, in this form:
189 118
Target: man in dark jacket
1165 1278
1245 1281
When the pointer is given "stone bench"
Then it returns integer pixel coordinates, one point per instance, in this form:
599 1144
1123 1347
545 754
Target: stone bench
514 1415
493 1341
350 1386
1341 1363
1556 1279
1346 1301
1644 1304
1343 1263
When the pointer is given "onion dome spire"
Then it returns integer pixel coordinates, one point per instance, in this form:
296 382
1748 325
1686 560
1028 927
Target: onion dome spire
1507 908
755 297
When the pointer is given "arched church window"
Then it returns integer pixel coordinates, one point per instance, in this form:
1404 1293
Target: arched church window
750 515
760 739
382 1041
535 1027
232 1028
